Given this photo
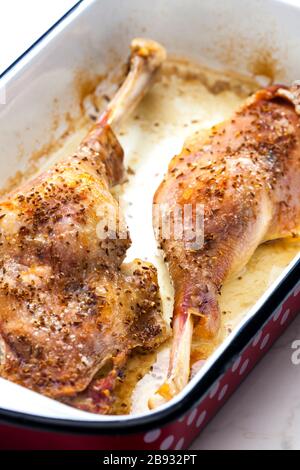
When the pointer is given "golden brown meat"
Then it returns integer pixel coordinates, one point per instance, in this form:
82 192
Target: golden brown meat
70 311
247 177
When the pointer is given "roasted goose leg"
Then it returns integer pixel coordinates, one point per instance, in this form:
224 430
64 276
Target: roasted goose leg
247 177
70 311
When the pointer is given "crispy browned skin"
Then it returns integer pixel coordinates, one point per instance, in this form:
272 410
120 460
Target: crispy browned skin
67 306
247 176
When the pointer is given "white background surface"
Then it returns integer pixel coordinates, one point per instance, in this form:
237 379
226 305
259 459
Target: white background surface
22 22
264 413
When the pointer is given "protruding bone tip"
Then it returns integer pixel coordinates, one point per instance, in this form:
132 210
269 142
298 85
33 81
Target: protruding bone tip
151 50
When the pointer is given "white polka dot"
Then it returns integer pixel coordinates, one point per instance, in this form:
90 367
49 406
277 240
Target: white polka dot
236 364
201 419
180 444
277 313
285 316
257 339
166 443
222 392
214 390
244 367
264 341
152 436
181 419
297 290
191 417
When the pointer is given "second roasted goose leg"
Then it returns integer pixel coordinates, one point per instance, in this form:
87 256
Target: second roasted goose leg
70 311
246 175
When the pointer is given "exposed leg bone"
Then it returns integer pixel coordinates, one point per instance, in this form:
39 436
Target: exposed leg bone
179 367
146 58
